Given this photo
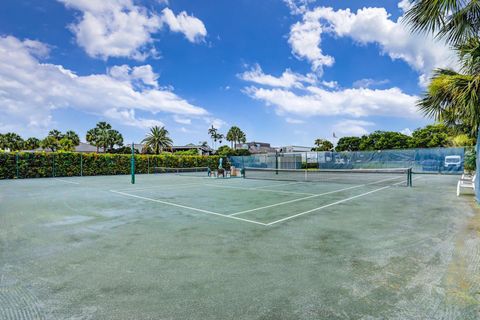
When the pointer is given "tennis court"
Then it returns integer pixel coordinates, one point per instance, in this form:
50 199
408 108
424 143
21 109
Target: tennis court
196 247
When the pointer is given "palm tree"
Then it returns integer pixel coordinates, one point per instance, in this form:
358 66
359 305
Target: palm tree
66 144
452 97
55 134
92 138
12 141
104 136
456 21
213 132
72 136
115 138
323 145
31 143
234 135
157 139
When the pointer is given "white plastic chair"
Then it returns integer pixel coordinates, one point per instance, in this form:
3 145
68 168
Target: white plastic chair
466 181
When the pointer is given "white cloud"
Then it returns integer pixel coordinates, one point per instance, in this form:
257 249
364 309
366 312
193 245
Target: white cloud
305 38
141 76
182 120
294 121
351 128
407 131
127 117
30 90
120 28
352 102
115 28
367 26
192 27
330 84
367 83
215 122
298 6
405 5
288 79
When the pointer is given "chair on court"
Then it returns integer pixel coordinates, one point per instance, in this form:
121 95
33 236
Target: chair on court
466 181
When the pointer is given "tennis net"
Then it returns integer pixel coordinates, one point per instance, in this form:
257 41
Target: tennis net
194 171
395 176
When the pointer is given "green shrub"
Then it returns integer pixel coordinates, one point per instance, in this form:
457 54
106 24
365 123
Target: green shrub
470 162
67 164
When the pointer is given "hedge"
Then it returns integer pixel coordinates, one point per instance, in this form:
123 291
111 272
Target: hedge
68 164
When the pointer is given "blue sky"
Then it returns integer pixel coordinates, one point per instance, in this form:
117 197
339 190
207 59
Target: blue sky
286 72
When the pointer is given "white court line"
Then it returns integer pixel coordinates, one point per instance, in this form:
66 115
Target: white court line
294 200
186 207
262 190
312 196
277 185
335 203
66 181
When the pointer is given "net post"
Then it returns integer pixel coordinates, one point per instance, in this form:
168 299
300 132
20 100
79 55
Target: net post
81 165
148 164
276 162
409 177
132 165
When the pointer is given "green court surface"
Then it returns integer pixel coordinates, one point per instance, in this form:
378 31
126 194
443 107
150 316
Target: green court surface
180 247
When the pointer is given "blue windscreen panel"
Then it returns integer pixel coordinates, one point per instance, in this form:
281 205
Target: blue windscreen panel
432 160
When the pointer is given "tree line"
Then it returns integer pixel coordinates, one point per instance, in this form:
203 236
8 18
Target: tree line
430 136
102 136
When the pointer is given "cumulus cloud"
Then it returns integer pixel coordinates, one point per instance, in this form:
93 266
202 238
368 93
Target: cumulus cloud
305 39
215 122
31 90
294 121
181 120
119 28
288 79
367 83
193 28
407 131
350 127
298 6
367 26
315 101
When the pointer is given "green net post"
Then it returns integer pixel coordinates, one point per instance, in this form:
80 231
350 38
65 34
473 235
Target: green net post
132 164
276 162
16 165
81 165
409 177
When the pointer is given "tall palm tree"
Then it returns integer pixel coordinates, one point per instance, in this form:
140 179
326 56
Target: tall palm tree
115 138
234 135
213 132
452 96
92 138
157 139
73 136
455 20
